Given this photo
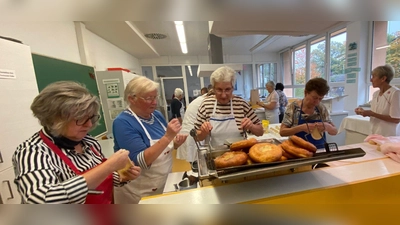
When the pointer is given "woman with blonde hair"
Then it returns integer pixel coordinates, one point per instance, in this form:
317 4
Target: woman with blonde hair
61 163
144 132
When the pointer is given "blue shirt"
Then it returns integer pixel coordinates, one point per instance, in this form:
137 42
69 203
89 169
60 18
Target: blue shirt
129 135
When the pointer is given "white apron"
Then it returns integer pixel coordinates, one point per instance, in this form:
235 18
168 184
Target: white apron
272 115
182 110
151 181
224 127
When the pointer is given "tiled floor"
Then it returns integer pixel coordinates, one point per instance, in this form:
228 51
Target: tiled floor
179 165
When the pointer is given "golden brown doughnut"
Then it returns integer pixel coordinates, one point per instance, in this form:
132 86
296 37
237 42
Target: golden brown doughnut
283 158
243 144
288 155
300 142
265 152
292 149
230 158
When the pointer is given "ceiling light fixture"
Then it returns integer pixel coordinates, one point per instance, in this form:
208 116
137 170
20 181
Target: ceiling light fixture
382 47
180 29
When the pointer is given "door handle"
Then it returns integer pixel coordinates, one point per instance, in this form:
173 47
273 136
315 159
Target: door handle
9 189
1 158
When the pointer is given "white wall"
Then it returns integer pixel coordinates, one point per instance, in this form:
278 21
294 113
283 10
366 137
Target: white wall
54 39
59 40
104 55
358 32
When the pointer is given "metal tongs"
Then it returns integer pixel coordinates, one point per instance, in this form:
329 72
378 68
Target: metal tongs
328 146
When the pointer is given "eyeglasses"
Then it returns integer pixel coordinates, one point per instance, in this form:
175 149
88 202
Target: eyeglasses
226 91
83 121
150 99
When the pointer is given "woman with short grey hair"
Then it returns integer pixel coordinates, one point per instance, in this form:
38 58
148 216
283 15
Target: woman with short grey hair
271 103
177 106
62 163
223 74
150 140
384 114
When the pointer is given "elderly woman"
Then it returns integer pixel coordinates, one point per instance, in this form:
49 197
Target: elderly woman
177 107
225 115
61 163
385 104
305 115
282 100
271 104
144 132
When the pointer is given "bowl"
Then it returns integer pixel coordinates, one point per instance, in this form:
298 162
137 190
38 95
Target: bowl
185 185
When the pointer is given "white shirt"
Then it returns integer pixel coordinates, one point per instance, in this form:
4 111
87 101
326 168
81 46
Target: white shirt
187 125
387 104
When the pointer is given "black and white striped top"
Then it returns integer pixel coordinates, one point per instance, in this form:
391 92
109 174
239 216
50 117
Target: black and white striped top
42 177
241 109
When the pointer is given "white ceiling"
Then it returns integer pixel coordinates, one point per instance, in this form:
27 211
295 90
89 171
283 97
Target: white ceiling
237 37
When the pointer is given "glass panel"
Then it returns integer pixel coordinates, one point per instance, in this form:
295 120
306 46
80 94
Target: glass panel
298 92
336 91
248 80
317 58
193 82
338 57
206 81
266 72
300 65
169 71
147 71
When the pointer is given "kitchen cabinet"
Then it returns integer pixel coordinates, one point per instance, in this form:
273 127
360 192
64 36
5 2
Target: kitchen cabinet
8 190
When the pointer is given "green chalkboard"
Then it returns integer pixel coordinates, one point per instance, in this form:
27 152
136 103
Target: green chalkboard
49 70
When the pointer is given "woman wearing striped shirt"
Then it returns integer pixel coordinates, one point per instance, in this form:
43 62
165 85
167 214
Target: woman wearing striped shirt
61 163
225 115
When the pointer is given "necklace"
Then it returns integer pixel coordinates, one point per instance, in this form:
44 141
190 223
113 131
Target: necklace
149 121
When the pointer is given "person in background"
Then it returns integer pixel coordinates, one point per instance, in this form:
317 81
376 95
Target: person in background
61 163
224 115
282 100
187 151
271 104
177 107
385 104
144 132
204 91
305 115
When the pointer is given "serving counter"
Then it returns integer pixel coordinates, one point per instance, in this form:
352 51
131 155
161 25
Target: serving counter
358 180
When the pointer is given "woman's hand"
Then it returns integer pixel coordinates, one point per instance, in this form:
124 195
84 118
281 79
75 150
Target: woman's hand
246 124
174 126
130 172
206 128
179 140
118 160
359 111
365 113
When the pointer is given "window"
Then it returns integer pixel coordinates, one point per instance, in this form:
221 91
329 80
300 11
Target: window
299 70
266 72
317 58
337 76
386 49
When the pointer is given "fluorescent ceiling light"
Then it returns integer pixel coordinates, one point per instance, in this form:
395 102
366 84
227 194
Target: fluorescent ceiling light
382 47
180 29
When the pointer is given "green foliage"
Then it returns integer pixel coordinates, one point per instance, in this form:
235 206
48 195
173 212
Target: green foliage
393 54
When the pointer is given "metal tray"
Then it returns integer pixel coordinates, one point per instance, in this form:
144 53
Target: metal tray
207 168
